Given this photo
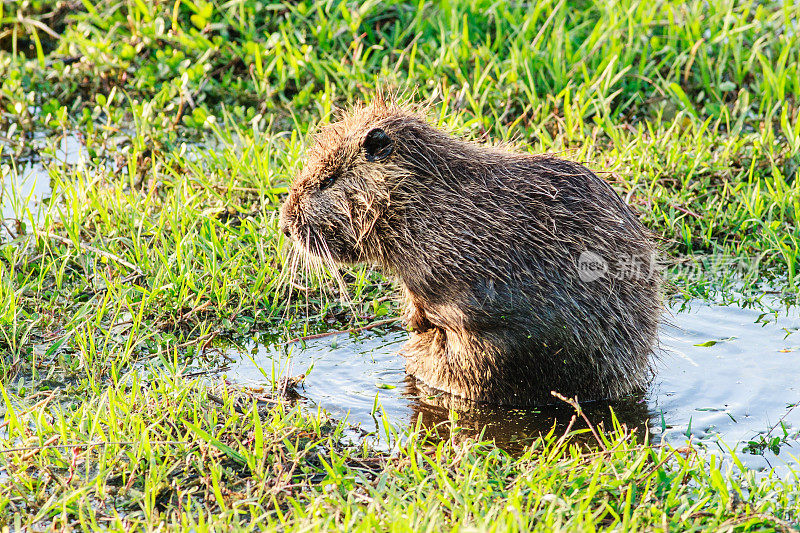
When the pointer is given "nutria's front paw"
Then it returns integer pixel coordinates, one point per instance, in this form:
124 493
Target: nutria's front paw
416 320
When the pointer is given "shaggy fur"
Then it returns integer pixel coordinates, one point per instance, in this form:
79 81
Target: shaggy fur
485 244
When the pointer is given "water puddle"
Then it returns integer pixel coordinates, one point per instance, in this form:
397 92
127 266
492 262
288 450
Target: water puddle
25 188
727 378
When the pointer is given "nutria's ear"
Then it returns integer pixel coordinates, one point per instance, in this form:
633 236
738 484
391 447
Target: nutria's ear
378 145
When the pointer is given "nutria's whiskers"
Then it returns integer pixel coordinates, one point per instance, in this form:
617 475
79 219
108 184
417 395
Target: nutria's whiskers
330 266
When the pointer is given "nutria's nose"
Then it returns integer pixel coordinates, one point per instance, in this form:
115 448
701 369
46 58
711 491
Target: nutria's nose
284 225
284 219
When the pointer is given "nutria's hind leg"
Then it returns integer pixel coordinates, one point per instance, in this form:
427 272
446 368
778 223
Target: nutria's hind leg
623 374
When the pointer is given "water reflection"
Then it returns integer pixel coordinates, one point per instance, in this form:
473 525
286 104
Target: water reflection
514 428
727 376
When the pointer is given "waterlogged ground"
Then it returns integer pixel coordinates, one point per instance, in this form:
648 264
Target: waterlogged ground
23 190
726 378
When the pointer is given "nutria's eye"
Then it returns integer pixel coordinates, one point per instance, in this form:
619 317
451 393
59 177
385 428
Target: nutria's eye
327 181
377 145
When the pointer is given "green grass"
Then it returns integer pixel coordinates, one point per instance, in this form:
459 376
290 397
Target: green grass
194 118
153 452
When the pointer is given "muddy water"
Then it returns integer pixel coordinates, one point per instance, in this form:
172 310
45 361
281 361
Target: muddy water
726 376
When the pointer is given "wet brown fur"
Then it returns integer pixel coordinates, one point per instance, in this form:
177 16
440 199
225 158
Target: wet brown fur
485 244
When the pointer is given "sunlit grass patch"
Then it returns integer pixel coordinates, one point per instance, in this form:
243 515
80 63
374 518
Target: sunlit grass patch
155 450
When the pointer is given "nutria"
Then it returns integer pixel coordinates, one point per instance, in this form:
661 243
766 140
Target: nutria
521 274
